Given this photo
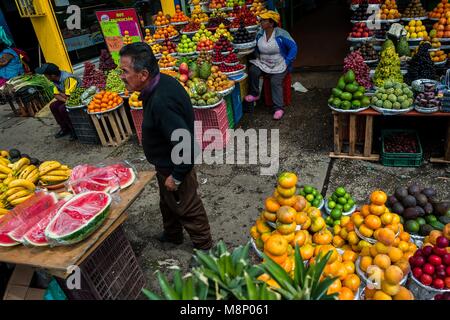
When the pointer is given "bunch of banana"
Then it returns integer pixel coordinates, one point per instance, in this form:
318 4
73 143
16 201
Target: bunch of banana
4 154
19 166
53 172
3 209
30 173
5 170
19 190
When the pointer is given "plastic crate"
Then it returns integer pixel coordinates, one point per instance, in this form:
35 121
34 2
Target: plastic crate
400 159
287 94
111 272
138 116
230 115
237 104
215 118
83 126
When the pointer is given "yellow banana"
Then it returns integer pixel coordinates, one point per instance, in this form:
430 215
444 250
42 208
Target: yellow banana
3 211
4 153
25 172
3 176
33 178
4 161
22 183
20 200
64 167
47 163
12 191
20 165
49 168
5 169
18 195
59 173
32 173
49 178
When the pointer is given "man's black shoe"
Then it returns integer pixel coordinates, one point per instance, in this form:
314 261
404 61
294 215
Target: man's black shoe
162 237
61 134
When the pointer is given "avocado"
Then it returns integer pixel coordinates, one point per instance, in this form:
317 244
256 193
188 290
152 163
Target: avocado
410 213
409 201
351 88
349 77
412 226
34 161
391 200
336 102
428 208
346 96
414 188
429 192
336 92
398 208
430 218
421 199
441 208
425 230
444 219
346 105
14 153
400 193
420 211
421 221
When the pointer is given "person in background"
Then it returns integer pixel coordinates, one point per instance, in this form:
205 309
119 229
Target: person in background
10 63
168 108
276 51
65 83
148 9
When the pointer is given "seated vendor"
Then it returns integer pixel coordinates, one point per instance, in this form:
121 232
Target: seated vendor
276 51
10 64
65 83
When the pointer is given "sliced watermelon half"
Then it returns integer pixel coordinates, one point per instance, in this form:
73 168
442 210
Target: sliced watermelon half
78 218
125 174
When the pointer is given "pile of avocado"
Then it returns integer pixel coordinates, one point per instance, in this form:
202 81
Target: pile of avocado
348 94
419 212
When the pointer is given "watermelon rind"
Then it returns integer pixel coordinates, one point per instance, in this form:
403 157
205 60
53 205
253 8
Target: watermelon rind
130 181
84 230
6 241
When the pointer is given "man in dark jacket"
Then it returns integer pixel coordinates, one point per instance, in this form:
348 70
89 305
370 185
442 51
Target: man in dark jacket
167 107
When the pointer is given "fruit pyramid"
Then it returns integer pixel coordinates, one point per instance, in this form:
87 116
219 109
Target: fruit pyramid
441 29
421 66
106 61
414 9
222 31
258 8
388 68
148 37
198 16
179 16
389 10
202 33
416 29
355 61
126 38
217 81
440 10
161 19
186 45
217 4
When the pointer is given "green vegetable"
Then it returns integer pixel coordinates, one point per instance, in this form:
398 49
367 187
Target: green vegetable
113 81
75 97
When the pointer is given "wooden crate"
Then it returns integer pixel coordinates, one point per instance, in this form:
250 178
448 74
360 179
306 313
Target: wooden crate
113 127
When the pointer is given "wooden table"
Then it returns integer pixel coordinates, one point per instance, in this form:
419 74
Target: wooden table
58 259
366 118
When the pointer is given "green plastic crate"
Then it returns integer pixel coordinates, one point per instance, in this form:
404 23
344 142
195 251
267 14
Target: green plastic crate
230 115
392 159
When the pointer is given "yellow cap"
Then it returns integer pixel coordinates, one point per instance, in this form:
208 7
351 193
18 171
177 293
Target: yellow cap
270 15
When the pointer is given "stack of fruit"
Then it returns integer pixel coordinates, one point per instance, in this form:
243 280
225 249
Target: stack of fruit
156 48
340 203
104 101
204 57
223 45
113 81
441 29
416 207
167 61
179 17
218 15
148 37
186 45
134 100
389 66
348 94
414 10
438 56
258 8
389 11
231 70
231 59
217 81
161 20
75 97
312 195
355 62
440 10
431 264
233 3
198 16
421 66
380 32
368 52
360 31
244 16
165 32
242 36
428 99
93 76
217 4
393 95
53 172
106 62
222 32
205 44
361 13
200 96
191 27
127 38
217 58
435 44
416 30
202 33
214 23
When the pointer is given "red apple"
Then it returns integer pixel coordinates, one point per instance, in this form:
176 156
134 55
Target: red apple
428 269
426 279
417 272
438 283
434 260
184 68
365 34
184 78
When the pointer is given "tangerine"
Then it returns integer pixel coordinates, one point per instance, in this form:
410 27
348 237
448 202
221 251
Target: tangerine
390 289
287 180
272 205
372 221
378 197
395 254
286 193
365 231
352 282
380 295
377 210
393 275
365 210
382 260
300 237
286 214
349 266
300 204
346 294
262 227
306 251
403 294
357 219
334 287
269 216
276 245
386 236
277 259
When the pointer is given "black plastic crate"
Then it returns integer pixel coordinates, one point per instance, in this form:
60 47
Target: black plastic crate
83 126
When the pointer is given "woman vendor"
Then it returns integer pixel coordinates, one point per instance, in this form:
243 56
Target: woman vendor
276 51
10 64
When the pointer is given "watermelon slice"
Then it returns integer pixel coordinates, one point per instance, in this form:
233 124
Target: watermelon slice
36 235
22 214
125 174
98 179
78 218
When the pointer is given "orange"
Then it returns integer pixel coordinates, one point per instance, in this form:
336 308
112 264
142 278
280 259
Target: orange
349 255
335 286
365 252
254 232
393 227
272 205
286 201
404 236
365 262
412 247
373 222
262 227
365 231
336 229
346 294
358 219
373 251
307 223
386 236
289 237
286 193
390 289
408 254
300 218
365 211
369 293
277 259
314 213
381 247
276 245
265 236
343 233
393 274
269 216
395 254
404 265
272 283
382 260
338 242
323 237
306 251
404 294
386 218
349 266
396 242
286 214
342 273
378 197
300 237
352 282
350 226
287 265
395 218
300 203
377 210
380 295
404 246
287 180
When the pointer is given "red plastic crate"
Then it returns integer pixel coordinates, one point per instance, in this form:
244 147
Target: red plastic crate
138 117
287 94
215 118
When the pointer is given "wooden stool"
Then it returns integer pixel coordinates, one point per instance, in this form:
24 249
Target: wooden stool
113 127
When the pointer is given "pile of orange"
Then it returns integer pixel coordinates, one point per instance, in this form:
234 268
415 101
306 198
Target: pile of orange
161 19
389 10
179 15
438 56
167 61
440 11
104 101
441 29
165 32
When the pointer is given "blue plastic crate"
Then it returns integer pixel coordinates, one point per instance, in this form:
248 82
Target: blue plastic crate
237 104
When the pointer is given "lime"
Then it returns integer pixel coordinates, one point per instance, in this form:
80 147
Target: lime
315 192
319 197
412 226
347 207
337 222
336 214
331 204
302 192
421 221
309 197
430 218
339 206
315 203
342 201
329 220
308 189
351 202
334 197
340 191
347 196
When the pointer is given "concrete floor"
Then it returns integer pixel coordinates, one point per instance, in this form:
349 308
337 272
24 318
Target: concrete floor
232 194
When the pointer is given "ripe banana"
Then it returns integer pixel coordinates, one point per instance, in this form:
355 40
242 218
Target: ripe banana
3 211
48 178
33 178
50 167
25 172
22 183
5 169
31 174
18 195
4 153
46 163
59 173
20 165
64 167
12 191
4 161
3 176
8 180
20 200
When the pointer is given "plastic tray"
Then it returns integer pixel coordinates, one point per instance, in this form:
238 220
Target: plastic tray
247 45
426 110
391 112
359 39
415 40
442 63
348 111
189 33
231 64
187 54
208 107
371 61
207 51
416 18
102 112
179 23
234 73
443 39
347 213
388 20
226 91
159 27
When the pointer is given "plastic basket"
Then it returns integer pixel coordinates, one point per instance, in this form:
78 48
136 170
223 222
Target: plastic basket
214 118
111 272
83 126
138 116
401 159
